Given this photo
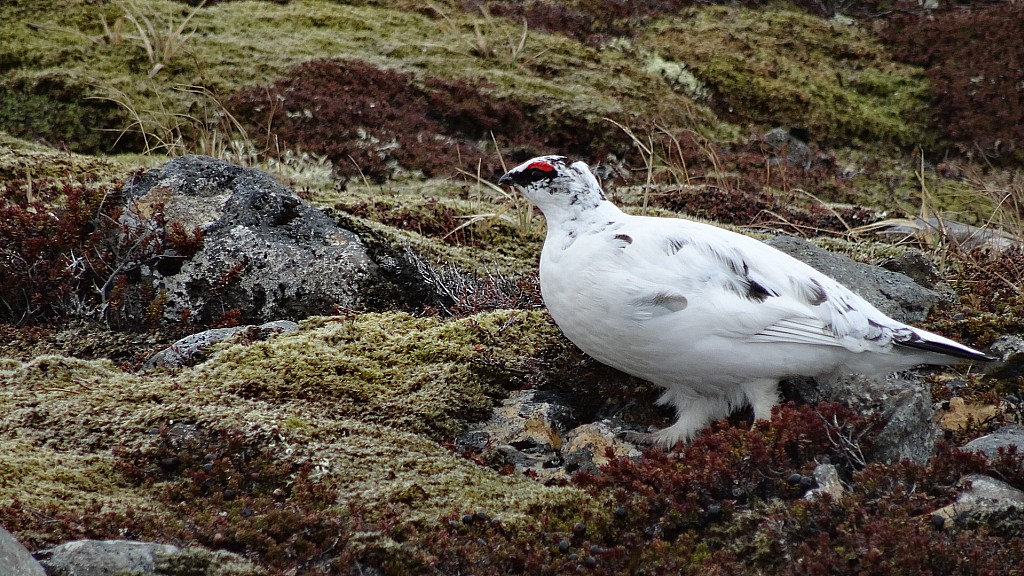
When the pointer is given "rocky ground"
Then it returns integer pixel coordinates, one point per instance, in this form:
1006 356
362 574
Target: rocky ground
262 310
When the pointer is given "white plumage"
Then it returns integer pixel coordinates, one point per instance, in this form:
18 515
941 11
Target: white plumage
714 317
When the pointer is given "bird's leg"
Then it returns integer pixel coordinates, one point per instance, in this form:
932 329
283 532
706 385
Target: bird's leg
693 412
762 395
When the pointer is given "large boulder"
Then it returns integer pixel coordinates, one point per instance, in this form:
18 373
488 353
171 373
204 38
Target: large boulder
15 560
265 255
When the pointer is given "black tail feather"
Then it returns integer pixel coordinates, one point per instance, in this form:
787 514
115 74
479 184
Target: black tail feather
941 348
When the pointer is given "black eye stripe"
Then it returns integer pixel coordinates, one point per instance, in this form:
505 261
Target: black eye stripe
531 175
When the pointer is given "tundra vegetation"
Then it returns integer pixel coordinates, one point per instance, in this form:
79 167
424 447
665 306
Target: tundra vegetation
332 449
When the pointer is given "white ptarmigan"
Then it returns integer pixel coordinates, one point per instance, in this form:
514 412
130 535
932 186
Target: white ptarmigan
714 317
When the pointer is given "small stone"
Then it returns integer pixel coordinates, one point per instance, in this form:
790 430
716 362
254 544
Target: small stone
826 480
938 521
278 494
481 542
230 494
246 512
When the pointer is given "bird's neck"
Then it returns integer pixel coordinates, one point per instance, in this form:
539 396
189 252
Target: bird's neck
575 219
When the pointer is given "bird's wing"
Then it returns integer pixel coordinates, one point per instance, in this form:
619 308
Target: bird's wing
746 288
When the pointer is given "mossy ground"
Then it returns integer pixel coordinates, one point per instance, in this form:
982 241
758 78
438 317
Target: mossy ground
785 67
365 400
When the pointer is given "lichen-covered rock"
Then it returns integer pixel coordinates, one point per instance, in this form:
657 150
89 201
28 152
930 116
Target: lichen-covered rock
826 476
539 434
95 558
100 558
986 496
1005 438
266 254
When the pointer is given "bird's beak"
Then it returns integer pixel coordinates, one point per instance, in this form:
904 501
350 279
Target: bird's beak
506 180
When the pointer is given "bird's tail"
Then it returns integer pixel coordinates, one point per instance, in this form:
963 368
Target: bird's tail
929 342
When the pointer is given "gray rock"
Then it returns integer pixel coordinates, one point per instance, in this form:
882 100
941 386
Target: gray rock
1007 346
1005 437
537 432
898 295
186 350
797 152
913 264
115 557
266 252
827 478
985 497
904 406
1010 367
15 560
100 558
965 236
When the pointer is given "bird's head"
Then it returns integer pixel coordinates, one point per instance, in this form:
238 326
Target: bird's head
554 185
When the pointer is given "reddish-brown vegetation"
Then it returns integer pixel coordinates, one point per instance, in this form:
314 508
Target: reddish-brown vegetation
974 57
372 122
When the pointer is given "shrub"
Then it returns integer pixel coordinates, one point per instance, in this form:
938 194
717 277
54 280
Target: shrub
68 250
371 122
978 107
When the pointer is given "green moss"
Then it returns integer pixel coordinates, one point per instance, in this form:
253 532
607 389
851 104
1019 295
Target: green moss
776 66
39 476
363 398
462 223
230 51
194 560
422 375
21 161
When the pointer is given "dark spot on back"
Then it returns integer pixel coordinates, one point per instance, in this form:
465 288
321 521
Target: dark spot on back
818 296
675 245
625 238
757 292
